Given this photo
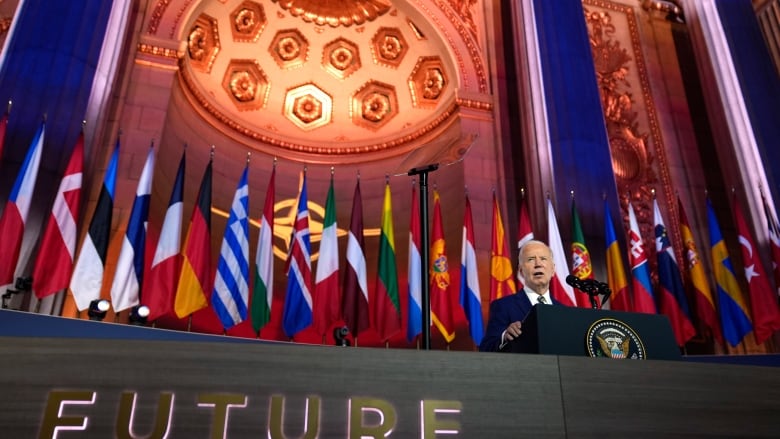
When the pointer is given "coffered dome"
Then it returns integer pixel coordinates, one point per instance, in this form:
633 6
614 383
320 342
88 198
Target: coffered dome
338 79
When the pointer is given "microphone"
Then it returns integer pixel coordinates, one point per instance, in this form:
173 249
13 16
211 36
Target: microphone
591 287
575 282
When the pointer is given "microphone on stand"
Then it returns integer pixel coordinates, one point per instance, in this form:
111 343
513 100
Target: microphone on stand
591 287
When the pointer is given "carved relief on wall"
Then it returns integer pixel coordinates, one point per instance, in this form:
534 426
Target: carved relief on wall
638 157
465 8
336 13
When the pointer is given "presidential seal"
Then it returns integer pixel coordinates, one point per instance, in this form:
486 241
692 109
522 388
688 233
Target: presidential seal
614 339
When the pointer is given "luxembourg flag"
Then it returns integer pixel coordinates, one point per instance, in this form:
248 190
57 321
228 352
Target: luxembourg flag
470 297
16 210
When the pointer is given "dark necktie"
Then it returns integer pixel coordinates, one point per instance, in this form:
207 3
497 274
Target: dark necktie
541 300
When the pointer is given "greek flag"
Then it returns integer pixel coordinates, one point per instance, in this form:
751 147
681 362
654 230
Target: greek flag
231 285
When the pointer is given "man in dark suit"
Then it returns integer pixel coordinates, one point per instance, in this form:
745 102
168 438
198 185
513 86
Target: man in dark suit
507 313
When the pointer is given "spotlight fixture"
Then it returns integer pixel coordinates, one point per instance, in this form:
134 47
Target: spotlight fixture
98 309
340 336
138 315
21 285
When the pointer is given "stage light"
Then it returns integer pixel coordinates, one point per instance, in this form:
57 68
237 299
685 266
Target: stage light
22 285
138 315
340 336
98 309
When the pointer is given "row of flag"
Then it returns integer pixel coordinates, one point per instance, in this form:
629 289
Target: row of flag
180 279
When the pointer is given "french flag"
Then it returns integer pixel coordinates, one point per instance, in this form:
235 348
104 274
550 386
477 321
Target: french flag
16 210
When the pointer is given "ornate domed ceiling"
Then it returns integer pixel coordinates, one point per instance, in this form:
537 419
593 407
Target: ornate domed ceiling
329 78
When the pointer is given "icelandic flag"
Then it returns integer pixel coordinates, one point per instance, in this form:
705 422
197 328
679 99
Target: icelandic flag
231 285
297 313
17 208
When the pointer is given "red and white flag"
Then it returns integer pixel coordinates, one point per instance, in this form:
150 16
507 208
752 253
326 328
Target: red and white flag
763 301
54 264
559 289
17 209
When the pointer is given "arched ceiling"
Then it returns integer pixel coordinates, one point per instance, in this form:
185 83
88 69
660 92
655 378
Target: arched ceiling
333 79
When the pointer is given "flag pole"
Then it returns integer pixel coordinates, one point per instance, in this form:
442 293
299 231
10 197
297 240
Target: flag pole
423 172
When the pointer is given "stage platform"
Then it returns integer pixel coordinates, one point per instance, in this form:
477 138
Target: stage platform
73 378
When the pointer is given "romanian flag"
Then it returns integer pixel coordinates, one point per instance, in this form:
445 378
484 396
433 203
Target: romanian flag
441 304
671 293
734 315
640 270
501 279
195 280
763 301
386 305
620 300
54 264
262 292
706 308
581 265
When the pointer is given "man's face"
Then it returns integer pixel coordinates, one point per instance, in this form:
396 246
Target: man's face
537 267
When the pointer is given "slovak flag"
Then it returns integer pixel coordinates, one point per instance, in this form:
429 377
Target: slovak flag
17 208
640 270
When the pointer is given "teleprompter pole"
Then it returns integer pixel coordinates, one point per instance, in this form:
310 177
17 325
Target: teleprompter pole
423 172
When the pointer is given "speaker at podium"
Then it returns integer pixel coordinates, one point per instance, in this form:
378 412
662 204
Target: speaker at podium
564 330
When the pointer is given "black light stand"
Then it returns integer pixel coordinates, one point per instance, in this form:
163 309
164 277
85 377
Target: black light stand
424 251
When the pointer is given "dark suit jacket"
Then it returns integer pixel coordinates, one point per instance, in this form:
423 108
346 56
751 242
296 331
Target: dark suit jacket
504 311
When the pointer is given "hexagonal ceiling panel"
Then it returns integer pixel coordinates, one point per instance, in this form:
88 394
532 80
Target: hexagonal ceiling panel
311 77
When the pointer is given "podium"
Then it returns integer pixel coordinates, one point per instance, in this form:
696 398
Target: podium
563 330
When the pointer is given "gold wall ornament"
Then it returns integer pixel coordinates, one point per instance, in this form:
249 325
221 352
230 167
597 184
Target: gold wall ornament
464 10
336 13
389 47
630 155
246 84
248 21
289 48
636 144
427 81
308 107
341 58
203 43
374 105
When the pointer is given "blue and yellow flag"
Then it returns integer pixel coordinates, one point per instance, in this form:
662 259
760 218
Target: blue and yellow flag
733 309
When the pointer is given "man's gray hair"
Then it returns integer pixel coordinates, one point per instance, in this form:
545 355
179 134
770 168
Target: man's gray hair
534 241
